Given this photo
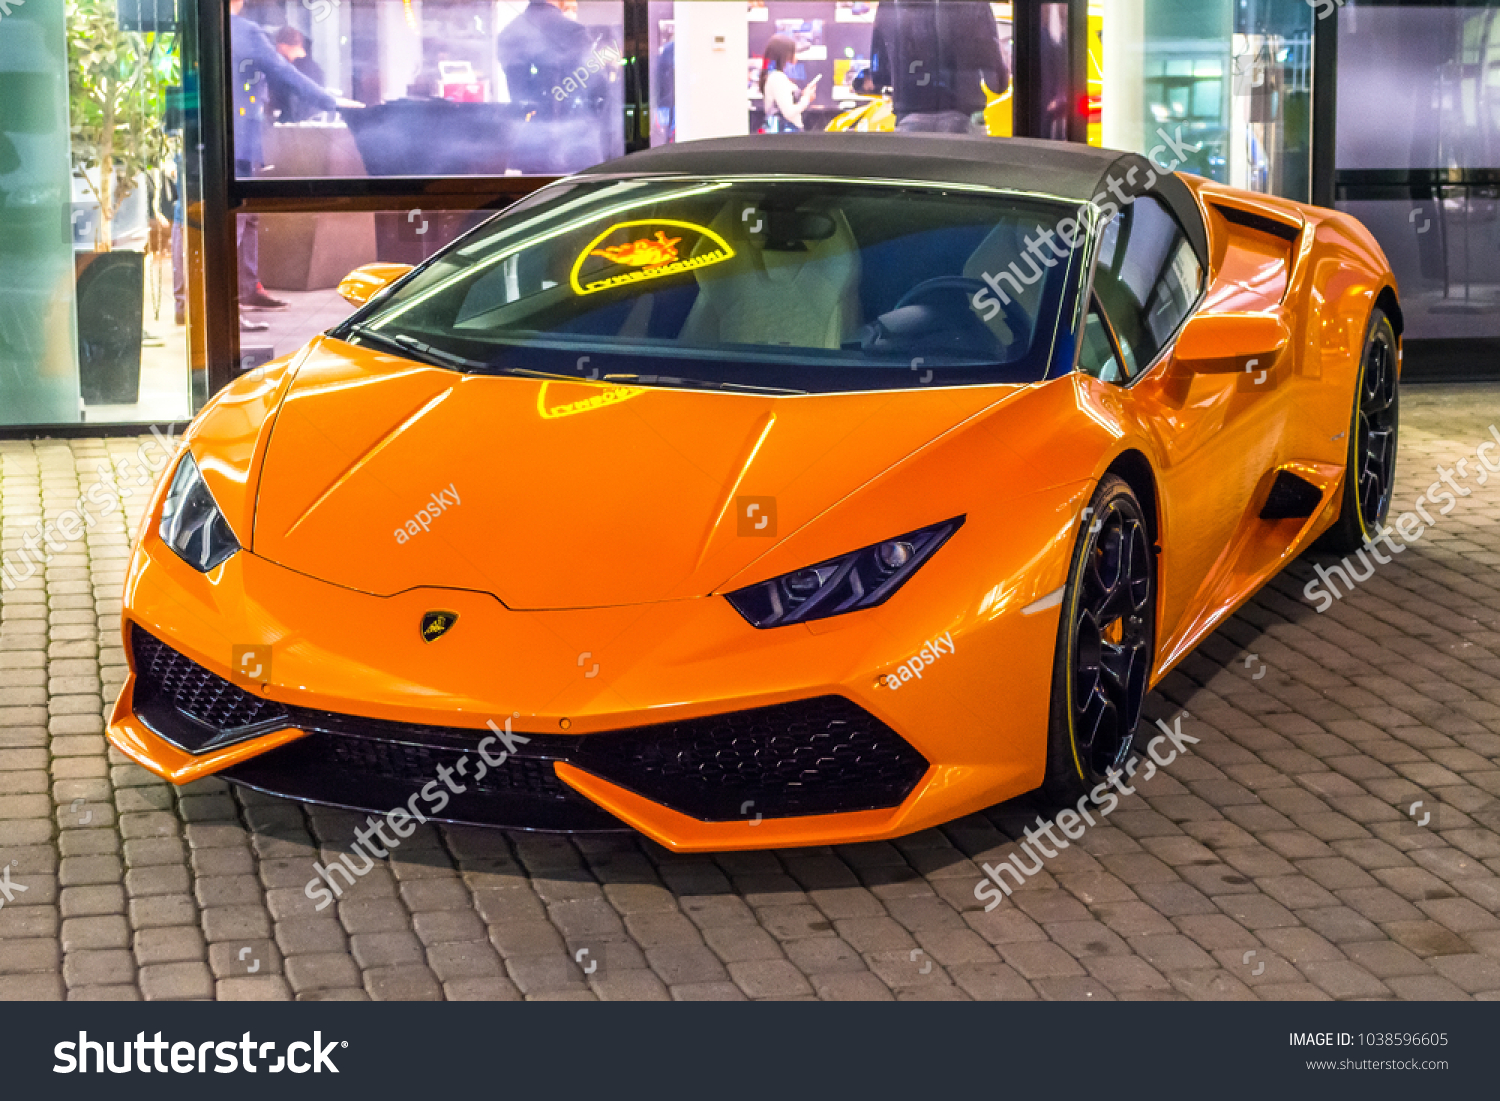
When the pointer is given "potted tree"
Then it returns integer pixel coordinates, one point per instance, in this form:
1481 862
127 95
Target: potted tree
117 89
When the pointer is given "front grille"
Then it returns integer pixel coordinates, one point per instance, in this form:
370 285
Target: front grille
193 708
415 764
375 775
820 756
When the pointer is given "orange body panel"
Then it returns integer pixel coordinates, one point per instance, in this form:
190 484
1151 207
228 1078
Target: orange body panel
613 538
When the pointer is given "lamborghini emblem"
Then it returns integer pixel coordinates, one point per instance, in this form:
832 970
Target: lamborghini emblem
437 624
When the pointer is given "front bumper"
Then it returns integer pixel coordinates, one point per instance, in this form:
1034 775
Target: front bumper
676 719
807 757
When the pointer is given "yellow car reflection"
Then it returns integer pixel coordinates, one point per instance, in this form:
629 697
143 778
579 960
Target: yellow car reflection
875 113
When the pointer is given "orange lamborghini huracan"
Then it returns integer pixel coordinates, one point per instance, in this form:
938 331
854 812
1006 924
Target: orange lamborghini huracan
763 492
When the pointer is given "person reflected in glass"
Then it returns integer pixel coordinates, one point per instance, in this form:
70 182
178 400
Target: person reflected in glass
256 65
783 104
937 57
288 104
557 80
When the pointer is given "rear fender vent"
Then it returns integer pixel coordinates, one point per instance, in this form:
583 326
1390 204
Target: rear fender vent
1250 219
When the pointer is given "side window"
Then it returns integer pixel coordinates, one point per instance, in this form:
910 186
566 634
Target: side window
1147 279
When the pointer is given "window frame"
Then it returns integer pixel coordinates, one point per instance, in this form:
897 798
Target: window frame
1109 334
1169 344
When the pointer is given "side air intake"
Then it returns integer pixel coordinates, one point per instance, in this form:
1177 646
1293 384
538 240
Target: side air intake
1291 498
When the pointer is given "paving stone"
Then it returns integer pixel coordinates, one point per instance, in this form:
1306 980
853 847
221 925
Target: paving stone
823 955
105 931
459 960
678 964
253 988
99 967
740 944
1039 959
404 983
1343 979
860 986
769 978
19 955
169 944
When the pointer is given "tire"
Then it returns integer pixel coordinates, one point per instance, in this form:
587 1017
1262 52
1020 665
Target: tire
1374 423
1106 645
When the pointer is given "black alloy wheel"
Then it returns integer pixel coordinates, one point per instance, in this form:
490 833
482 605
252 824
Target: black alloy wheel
1105 644
1373 434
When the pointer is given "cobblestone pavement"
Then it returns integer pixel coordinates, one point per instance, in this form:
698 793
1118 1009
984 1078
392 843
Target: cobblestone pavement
1278 859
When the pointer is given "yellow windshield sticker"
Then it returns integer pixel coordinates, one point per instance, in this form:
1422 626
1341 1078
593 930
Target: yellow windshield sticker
632 252
595 397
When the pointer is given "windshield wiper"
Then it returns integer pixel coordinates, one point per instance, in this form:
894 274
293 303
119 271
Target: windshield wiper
407 345
453 359
529 372
670 380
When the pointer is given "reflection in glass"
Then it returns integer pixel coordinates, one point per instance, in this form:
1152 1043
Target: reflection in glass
942 65
1222 87
407 88
1435 73
38 368
303 257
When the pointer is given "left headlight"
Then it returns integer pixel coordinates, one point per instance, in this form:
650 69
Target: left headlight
191 522
848 583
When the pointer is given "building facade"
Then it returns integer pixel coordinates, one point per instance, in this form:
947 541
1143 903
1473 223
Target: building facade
183 185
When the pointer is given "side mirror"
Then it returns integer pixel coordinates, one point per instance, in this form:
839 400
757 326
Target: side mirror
364 283
1224 342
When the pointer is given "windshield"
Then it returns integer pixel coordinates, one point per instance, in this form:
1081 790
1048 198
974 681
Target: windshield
792 285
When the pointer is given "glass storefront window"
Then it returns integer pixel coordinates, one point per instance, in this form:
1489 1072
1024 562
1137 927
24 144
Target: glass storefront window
1418 169
1229 80
389 88
845 65
38 365
90 171
301 258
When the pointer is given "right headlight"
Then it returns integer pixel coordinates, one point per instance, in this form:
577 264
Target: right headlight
848 583
192 523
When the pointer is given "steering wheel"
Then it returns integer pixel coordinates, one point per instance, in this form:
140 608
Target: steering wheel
1016 319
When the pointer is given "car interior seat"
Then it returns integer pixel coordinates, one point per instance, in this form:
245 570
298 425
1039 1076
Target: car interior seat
794 280
1006 245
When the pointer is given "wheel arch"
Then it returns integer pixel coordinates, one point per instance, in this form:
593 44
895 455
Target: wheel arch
1387 301
1135 468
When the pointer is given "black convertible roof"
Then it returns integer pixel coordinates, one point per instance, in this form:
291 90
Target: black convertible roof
1064 169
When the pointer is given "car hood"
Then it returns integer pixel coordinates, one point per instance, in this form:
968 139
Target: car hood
384 475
